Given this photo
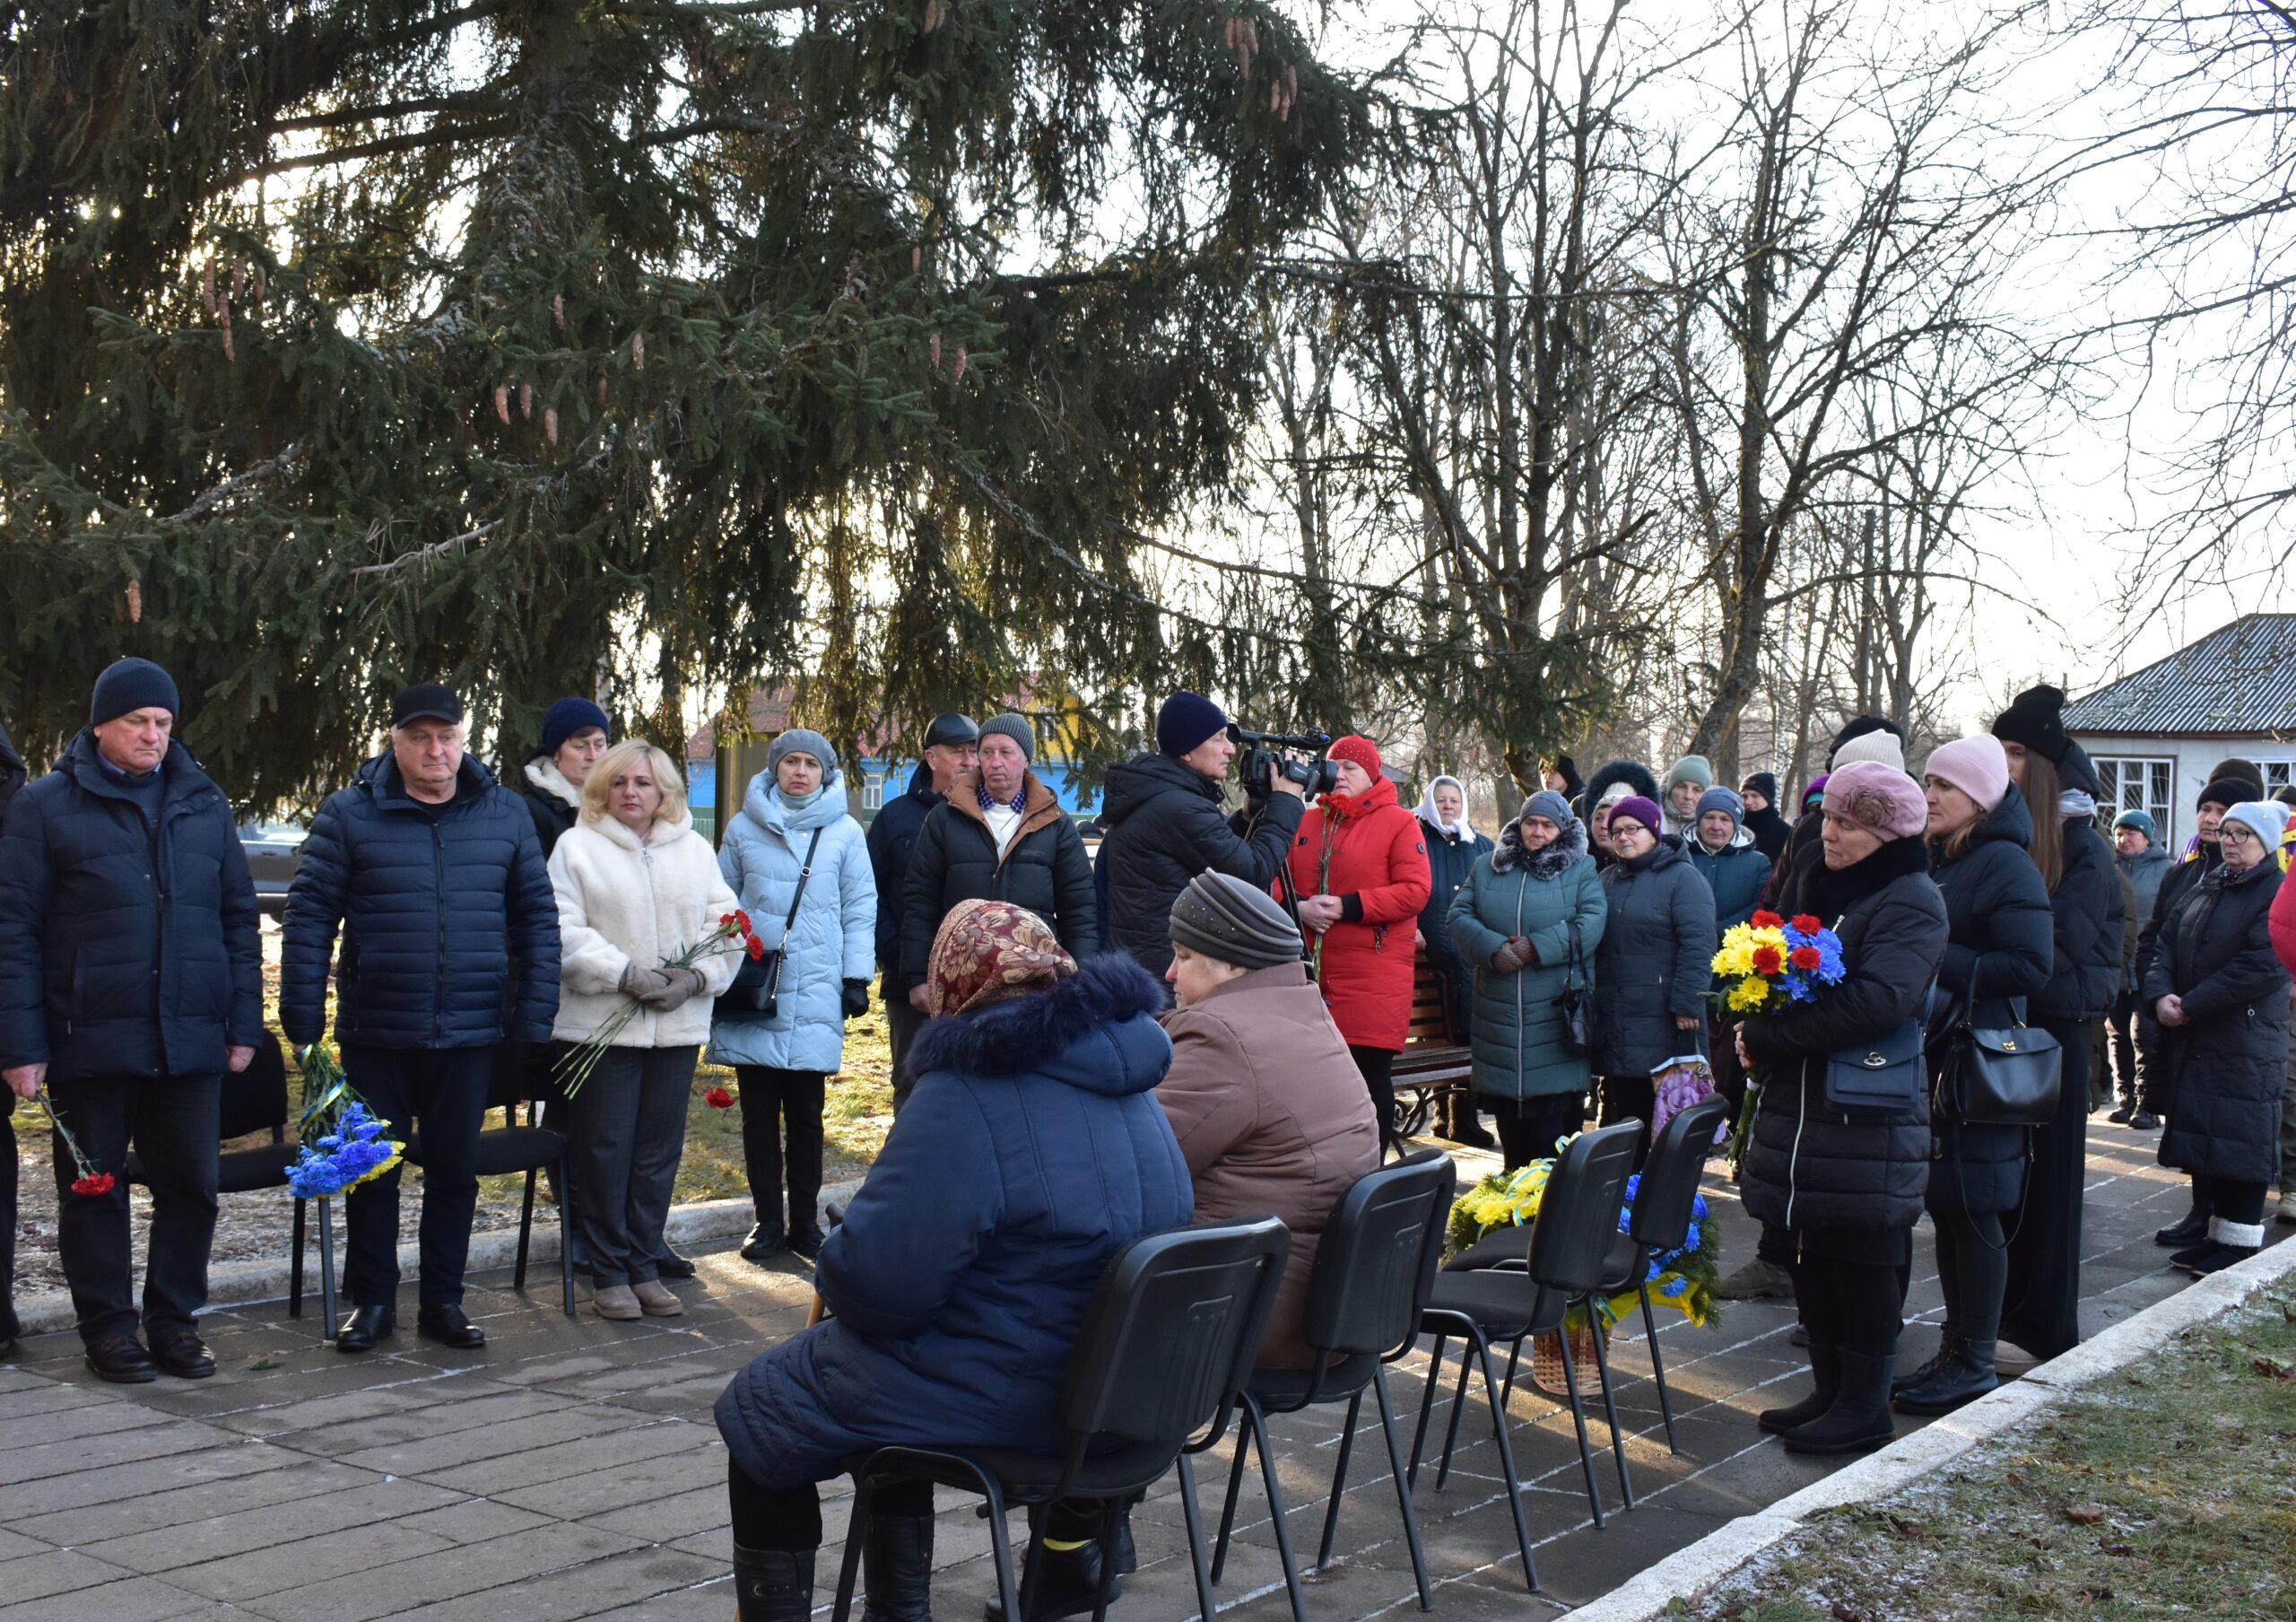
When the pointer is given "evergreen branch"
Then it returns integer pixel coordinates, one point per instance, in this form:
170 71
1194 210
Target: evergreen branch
460 102
263 469
423 553
719 124
433 136
737 8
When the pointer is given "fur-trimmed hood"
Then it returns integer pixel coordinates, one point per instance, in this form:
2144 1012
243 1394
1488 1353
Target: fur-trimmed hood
1633 773
1096 1030
1548 860
542 773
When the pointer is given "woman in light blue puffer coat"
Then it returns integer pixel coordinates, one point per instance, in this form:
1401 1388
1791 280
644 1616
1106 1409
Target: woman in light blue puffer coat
794 807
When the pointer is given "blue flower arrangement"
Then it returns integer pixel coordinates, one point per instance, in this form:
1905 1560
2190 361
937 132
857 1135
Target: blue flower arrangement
354 1151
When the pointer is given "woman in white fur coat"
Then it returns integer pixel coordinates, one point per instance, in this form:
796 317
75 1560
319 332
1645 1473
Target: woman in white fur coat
636 885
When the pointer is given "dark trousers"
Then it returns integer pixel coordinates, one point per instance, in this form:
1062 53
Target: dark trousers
1630 1098
902 1023
442 1094
1972 1267
1528 1129
768 1097
172 1121
10 1325
1850 1304
789 1518
2133 1032
1377 1066
626 1131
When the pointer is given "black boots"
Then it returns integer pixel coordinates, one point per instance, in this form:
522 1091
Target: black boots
765 1240
1068 1582
1859 1417
1948 1337
772 1584
1825 1368
2194 1228
897 1569
1961 1378
364 1327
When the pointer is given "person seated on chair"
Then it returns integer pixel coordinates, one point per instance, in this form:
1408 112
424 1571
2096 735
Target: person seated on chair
1030 1152
1262 1093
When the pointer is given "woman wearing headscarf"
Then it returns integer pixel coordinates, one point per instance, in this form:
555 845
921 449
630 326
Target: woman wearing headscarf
636 886
957 1283
2221 993
1845 1189
2041 1294
794 846
1359 868
1655 967
1452 847
1997 954
1513 920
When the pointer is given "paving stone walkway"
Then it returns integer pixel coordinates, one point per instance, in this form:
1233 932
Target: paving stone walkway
571 1469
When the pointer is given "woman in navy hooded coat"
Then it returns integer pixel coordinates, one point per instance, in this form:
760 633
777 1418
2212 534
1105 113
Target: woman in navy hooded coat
1032 1152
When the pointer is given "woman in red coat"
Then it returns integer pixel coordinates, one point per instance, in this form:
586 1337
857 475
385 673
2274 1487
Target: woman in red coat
1359 864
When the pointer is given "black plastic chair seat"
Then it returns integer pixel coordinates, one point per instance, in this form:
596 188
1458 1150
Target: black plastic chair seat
1275 1387
501 1150
1032 1478
1501 1247
1505 1306
239 1172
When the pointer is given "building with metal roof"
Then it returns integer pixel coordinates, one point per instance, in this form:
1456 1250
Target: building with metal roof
2156 733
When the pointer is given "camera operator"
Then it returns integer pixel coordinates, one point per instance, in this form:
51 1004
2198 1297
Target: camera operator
1164 828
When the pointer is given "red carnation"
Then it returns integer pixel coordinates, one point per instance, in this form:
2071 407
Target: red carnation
1805 924
100 1183
717 1098
742 918
1767 920
1767 961
1803 957
756 948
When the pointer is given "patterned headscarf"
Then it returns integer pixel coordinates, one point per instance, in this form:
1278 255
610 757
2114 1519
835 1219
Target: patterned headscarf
987 951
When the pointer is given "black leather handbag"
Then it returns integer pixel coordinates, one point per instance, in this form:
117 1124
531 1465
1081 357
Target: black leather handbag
756 991
1885 1074
1572 1001
2005 1077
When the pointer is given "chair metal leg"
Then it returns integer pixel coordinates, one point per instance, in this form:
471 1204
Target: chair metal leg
525 1228
1402 1489
1458 1407
1111 1516
1578 1418
1000 1552
1610 1411
856 1530
326 1264
1275 1507
1657 1366
565 1245
1481 1349
1031 1561
1514 1359
1228 1508
295 1267
1193 1516
1339 1480
1426 1404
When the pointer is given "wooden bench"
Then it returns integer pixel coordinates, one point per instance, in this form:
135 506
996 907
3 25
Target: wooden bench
1431 1064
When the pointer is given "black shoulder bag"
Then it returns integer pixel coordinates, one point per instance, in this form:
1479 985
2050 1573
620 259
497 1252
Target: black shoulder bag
2004 1077
1885 1074
756 991
1571 1001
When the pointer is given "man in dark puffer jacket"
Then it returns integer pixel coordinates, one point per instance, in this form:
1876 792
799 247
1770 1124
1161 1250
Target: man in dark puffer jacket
1000 835
130 981
436 876
1164 828
951 746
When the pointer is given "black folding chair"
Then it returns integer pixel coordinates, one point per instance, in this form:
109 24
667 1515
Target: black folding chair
1571 1255
1374 1268
254 1099
530 1148
1168 1341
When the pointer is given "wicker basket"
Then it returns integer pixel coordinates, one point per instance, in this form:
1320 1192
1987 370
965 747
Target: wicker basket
1546 1360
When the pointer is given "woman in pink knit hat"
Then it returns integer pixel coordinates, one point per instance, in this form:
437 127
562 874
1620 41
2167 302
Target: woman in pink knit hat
1999 948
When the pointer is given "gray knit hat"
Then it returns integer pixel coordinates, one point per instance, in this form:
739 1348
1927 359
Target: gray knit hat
797 740
1550 805
1014 727
1236 922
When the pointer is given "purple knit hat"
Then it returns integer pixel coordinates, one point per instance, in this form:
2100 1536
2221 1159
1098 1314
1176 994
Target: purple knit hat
1636 808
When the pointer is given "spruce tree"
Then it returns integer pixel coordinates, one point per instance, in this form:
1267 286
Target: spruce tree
534 345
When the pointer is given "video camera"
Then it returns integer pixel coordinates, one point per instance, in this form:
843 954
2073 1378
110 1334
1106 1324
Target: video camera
1266 749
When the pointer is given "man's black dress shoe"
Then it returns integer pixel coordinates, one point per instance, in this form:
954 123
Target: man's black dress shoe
122 1360
448 1326
184 1355
669 1264
362 1329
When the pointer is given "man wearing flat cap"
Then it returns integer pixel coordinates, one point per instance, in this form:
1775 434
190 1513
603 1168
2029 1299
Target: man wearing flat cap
131 981
951 746
1262 1094
434 875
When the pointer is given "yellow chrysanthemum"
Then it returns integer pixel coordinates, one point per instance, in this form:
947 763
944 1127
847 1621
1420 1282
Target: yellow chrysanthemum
1750 993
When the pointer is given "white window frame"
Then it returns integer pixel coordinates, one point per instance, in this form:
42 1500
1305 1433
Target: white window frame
872 789
2155 790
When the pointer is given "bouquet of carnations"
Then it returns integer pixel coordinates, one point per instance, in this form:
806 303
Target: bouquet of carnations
342 1142
731 935
1765 961
86 1180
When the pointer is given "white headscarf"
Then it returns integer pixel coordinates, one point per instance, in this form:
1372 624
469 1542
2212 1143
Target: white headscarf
1428 814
